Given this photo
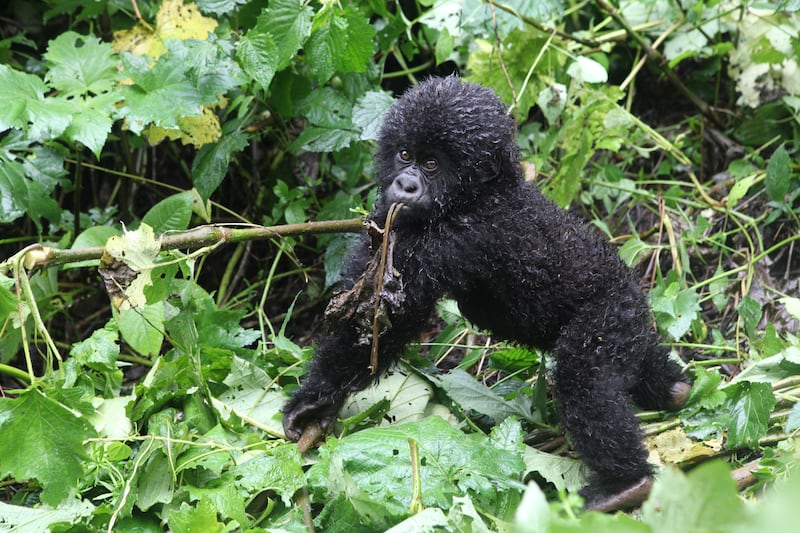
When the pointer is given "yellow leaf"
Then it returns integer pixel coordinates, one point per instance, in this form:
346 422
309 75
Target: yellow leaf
175 20
673 446
197 130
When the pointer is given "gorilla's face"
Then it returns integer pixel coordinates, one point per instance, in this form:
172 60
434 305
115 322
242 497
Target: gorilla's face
418 181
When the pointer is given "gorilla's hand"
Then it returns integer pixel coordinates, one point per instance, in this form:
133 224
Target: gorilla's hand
305 408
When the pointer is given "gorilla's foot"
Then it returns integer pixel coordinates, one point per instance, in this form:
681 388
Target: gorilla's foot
679 393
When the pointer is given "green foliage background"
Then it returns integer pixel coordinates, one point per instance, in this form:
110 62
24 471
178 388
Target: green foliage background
153 403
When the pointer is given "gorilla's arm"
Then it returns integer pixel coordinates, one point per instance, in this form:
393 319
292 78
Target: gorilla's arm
342 363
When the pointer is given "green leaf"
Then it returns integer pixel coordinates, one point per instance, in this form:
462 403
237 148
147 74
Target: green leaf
213 161
739 189
750 315
340 41
367 473
469 393
202 518
171 213
258 54
270 45
81 64
219 7
705 500
674 308
41 439
779 174
191 74
19 89
445 44
280 469
564 473
330 114
249 400
552 100
20 519
369 111
143 327
749 405
99 351
92 121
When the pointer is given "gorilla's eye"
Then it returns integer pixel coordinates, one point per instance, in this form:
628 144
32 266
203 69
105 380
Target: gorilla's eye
404 155
430 164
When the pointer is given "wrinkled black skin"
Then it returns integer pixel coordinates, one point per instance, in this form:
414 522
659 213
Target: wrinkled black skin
519 266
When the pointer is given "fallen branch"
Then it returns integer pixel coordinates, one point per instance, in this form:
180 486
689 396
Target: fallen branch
36 256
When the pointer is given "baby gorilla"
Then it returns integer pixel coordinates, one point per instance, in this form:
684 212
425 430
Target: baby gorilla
472 229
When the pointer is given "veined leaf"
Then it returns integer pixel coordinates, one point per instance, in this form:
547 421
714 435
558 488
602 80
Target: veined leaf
81 64
41 439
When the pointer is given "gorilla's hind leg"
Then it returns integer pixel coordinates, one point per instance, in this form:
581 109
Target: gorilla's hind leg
592 377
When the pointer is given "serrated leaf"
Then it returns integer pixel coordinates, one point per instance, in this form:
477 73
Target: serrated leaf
81 64
99 351
24 519
19 88
212 162
470 394
369 111
248 399
43 440
739 189
749 405
564 473
219 7
340 41
279 469
408 394
191 519
258 55
190 75
779 174
371 467
26 187
174 20
675 308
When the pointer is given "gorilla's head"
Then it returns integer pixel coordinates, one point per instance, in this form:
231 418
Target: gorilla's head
442 143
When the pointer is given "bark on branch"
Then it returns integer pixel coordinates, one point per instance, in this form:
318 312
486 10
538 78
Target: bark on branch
193 239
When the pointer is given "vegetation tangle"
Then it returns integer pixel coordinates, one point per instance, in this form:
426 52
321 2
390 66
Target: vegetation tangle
179 183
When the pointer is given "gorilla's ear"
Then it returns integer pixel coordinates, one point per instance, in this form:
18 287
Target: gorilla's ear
494 168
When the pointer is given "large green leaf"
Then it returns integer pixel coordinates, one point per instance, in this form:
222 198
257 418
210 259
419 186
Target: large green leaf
81 64
191 74
749 405
43 440
341 41
367 474
705 500
269 47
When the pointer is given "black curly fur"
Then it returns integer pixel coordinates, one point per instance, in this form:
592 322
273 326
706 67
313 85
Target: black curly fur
518 266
